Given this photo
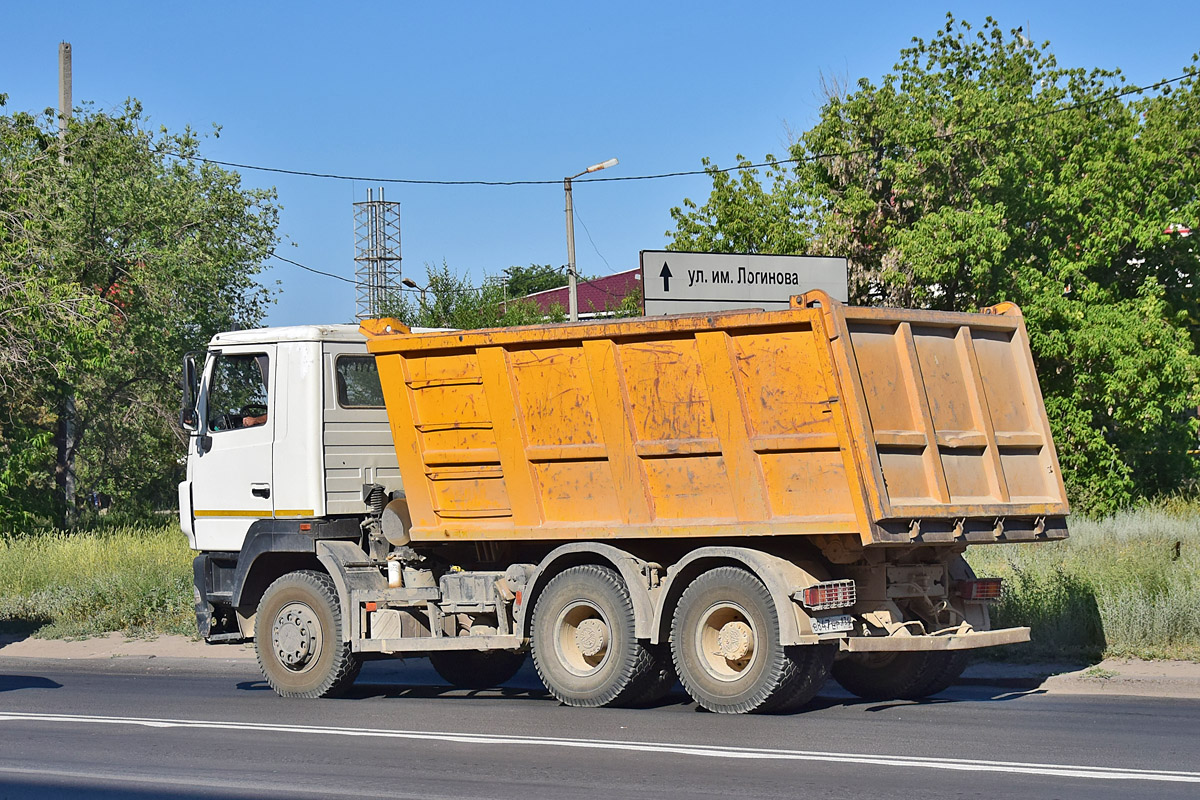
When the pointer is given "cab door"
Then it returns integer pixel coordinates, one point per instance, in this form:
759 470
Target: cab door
230 466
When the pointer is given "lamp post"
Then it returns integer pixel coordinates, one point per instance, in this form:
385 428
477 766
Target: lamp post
410 283
572 284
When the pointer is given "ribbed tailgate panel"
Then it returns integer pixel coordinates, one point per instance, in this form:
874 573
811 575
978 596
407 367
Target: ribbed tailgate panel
951 411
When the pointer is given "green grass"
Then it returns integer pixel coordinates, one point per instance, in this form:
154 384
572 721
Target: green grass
1127 586
137 580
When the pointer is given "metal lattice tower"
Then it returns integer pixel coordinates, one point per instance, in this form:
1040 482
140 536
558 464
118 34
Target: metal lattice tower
376 254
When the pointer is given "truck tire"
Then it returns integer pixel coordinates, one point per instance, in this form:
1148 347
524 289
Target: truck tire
583 642
899 676
725 642
298 637
476 669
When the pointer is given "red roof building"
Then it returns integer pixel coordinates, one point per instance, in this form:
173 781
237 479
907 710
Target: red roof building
596 296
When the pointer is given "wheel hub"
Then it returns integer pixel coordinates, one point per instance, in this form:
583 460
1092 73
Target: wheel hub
735 641
295 636
582 638
591 637
726 641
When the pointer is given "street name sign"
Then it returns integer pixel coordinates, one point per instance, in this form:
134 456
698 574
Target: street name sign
681 283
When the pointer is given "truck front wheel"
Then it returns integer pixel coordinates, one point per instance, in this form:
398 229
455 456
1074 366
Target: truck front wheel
725 641
584 646
298 637
899 676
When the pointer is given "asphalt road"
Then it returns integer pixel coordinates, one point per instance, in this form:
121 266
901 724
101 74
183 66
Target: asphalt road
193 729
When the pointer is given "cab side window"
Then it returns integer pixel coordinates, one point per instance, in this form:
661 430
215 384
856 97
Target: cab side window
358 382
237 393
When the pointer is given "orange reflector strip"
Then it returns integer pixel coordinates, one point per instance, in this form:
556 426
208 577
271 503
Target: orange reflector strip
371 605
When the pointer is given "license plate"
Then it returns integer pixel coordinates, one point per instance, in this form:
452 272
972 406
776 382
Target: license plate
836 624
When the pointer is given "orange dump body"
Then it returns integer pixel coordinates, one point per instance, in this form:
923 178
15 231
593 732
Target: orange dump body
893 426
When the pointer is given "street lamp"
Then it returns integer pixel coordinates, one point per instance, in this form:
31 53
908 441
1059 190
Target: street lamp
410 283
572 287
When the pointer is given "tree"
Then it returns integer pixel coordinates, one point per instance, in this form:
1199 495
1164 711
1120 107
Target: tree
524 281
117 258
980 171
450 301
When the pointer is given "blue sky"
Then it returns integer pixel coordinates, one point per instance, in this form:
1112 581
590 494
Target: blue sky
512 91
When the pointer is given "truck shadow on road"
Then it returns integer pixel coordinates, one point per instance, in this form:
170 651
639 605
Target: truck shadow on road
11 683
831 698
371 691
955 696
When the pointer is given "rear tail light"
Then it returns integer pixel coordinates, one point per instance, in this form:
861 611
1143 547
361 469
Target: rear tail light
830 594
980 589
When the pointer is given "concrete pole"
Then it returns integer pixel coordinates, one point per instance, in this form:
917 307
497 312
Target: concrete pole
64 88
65 468
572 287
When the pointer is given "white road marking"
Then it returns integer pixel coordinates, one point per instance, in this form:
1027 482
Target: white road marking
705 751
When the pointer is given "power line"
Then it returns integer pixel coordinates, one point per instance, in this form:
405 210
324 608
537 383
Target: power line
590 239
683 173
443 290
275 255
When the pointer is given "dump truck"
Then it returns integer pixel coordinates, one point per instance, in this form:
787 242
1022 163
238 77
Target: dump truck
745 502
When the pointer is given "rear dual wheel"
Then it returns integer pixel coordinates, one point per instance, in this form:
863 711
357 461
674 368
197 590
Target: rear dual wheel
584 645
727 652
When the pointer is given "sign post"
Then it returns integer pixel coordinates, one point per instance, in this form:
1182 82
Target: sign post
681 283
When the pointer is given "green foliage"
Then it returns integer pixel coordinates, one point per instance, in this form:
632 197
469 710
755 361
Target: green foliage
981 171
115 258
26 460
630 305
524 281
1127 585
450 301
741 216
132 579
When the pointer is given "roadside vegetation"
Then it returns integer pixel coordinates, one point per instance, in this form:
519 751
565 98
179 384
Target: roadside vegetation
133 579
1127 585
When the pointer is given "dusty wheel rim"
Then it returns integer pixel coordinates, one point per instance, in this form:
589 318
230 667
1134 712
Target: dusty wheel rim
582 634
727 642
296 636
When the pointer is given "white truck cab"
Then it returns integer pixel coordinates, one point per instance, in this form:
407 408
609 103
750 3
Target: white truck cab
290 425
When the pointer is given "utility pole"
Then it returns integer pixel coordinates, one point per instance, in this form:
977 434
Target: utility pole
64 90
65 466
572 277
572 280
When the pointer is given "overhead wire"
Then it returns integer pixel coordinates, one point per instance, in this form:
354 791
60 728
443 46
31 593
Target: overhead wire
278 257
575 211
657 176
685 173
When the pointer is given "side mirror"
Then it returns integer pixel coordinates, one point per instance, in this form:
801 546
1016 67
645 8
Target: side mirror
189 381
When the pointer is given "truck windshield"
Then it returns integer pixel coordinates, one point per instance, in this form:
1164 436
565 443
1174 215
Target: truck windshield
358 382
